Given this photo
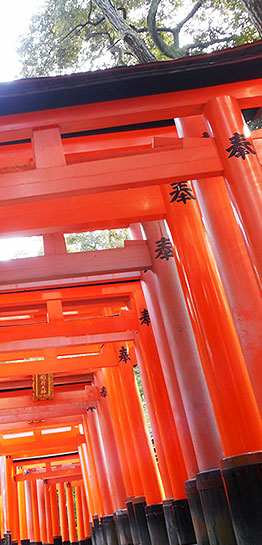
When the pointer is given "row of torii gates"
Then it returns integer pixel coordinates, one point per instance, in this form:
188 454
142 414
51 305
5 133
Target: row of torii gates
182 300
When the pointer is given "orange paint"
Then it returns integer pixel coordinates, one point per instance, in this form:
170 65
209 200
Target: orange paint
63 512
71 513
79 514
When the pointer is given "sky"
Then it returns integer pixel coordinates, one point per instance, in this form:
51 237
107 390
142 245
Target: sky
14 18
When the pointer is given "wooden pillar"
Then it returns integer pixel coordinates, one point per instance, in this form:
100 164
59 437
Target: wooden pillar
118 490
233 261
84 470
49 528
182 367
54 510
159 406
92 478
22 511
242 168
79 514
71 513
35 512
228 382
115 392
86 516
93 437
63 512
152 485
41 509
9 504
29 510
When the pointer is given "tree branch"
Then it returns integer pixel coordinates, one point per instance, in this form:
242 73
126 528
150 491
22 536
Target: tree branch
168 50
126 32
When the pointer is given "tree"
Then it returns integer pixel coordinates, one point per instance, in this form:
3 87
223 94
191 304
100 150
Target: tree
73 35
96 240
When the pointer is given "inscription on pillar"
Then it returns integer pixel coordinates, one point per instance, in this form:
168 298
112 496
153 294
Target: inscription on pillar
123 354
164 249
240 146
182 192
145 318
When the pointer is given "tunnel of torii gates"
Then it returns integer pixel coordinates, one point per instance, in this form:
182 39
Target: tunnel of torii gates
163 149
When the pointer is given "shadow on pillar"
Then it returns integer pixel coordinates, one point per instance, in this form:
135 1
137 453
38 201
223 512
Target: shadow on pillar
123 527
215 508
242 477
156 524
196 512
170 522
183 521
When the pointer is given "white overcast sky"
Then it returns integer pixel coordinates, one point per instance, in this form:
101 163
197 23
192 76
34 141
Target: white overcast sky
14 18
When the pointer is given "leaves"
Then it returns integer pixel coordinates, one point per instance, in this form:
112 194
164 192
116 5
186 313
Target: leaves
78 35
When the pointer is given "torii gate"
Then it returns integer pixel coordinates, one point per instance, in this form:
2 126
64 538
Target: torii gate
101 150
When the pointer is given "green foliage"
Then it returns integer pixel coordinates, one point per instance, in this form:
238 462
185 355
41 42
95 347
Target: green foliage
73 35
96 240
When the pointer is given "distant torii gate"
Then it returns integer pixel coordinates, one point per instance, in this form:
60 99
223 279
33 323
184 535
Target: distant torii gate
182 300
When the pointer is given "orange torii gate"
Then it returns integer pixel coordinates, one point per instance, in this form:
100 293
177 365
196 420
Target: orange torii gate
102 150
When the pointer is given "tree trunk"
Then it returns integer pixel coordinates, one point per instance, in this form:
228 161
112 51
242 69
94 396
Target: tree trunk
130 37
254 9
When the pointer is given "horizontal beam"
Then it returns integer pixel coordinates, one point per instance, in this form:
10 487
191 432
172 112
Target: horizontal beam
52 364
18 401
196 158
27 383
32 476
63 457
40 424
39 447
57 342
45 412
133 257
56 480
126 321
128 111
70 214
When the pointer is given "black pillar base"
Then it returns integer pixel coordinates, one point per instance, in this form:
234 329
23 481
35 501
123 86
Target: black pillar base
183 520
65 543
242 477
92 530
123 526
25 541
215 508
139 510
196 512
156 524
170 522
132 523
58 540
109 530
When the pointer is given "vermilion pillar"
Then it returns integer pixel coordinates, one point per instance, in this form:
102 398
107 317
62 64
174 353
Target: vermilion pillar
79 514
111 450
41 508
54 510
85 512
229 385
118 399
71 513
9 504
91 474
63 512
159 404
184 366
118 428
84 471
29 510
233 261
35 512
22 511
242 169
49 528
152 485
92 430
115 391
